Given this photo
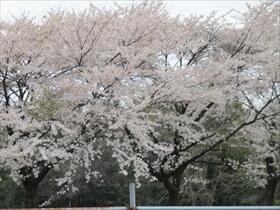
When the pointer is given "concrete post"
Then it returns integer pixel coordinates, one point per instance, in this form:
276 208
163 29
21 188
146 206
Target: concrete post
132 196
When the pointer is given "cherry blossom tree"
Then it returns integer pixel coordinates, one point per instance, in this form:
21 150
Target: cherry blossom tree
167 125
68 57
42 128
262 165
76 81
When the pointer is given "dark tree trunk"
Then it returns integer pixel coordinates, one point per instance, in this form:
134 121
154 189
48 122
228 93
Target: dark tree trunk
272 180
31 183
173 189
269 191
30 194
173 198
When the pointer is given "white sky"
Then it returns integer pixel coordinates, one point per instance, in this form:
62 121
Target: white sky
175 7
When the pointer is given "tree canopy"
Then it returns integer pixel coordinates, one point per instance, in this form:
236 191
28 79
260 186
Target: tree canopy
162 94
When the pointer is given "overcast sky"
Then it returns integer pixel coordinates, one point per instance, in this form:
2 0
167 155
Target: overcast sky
183 8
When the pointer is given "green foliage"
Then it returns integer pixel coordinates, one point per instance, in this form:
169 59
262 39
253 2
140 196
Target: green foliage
46 107
10 193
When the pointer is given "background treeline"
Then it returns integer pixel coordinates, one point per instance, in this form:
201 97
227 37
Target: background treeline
188 109
224 186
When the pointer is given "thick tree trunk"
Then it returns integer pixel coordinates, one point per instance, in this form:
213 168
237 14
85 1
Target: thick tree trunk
269 192
173 189
31 183
210 176
30 194
272 180
173 198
